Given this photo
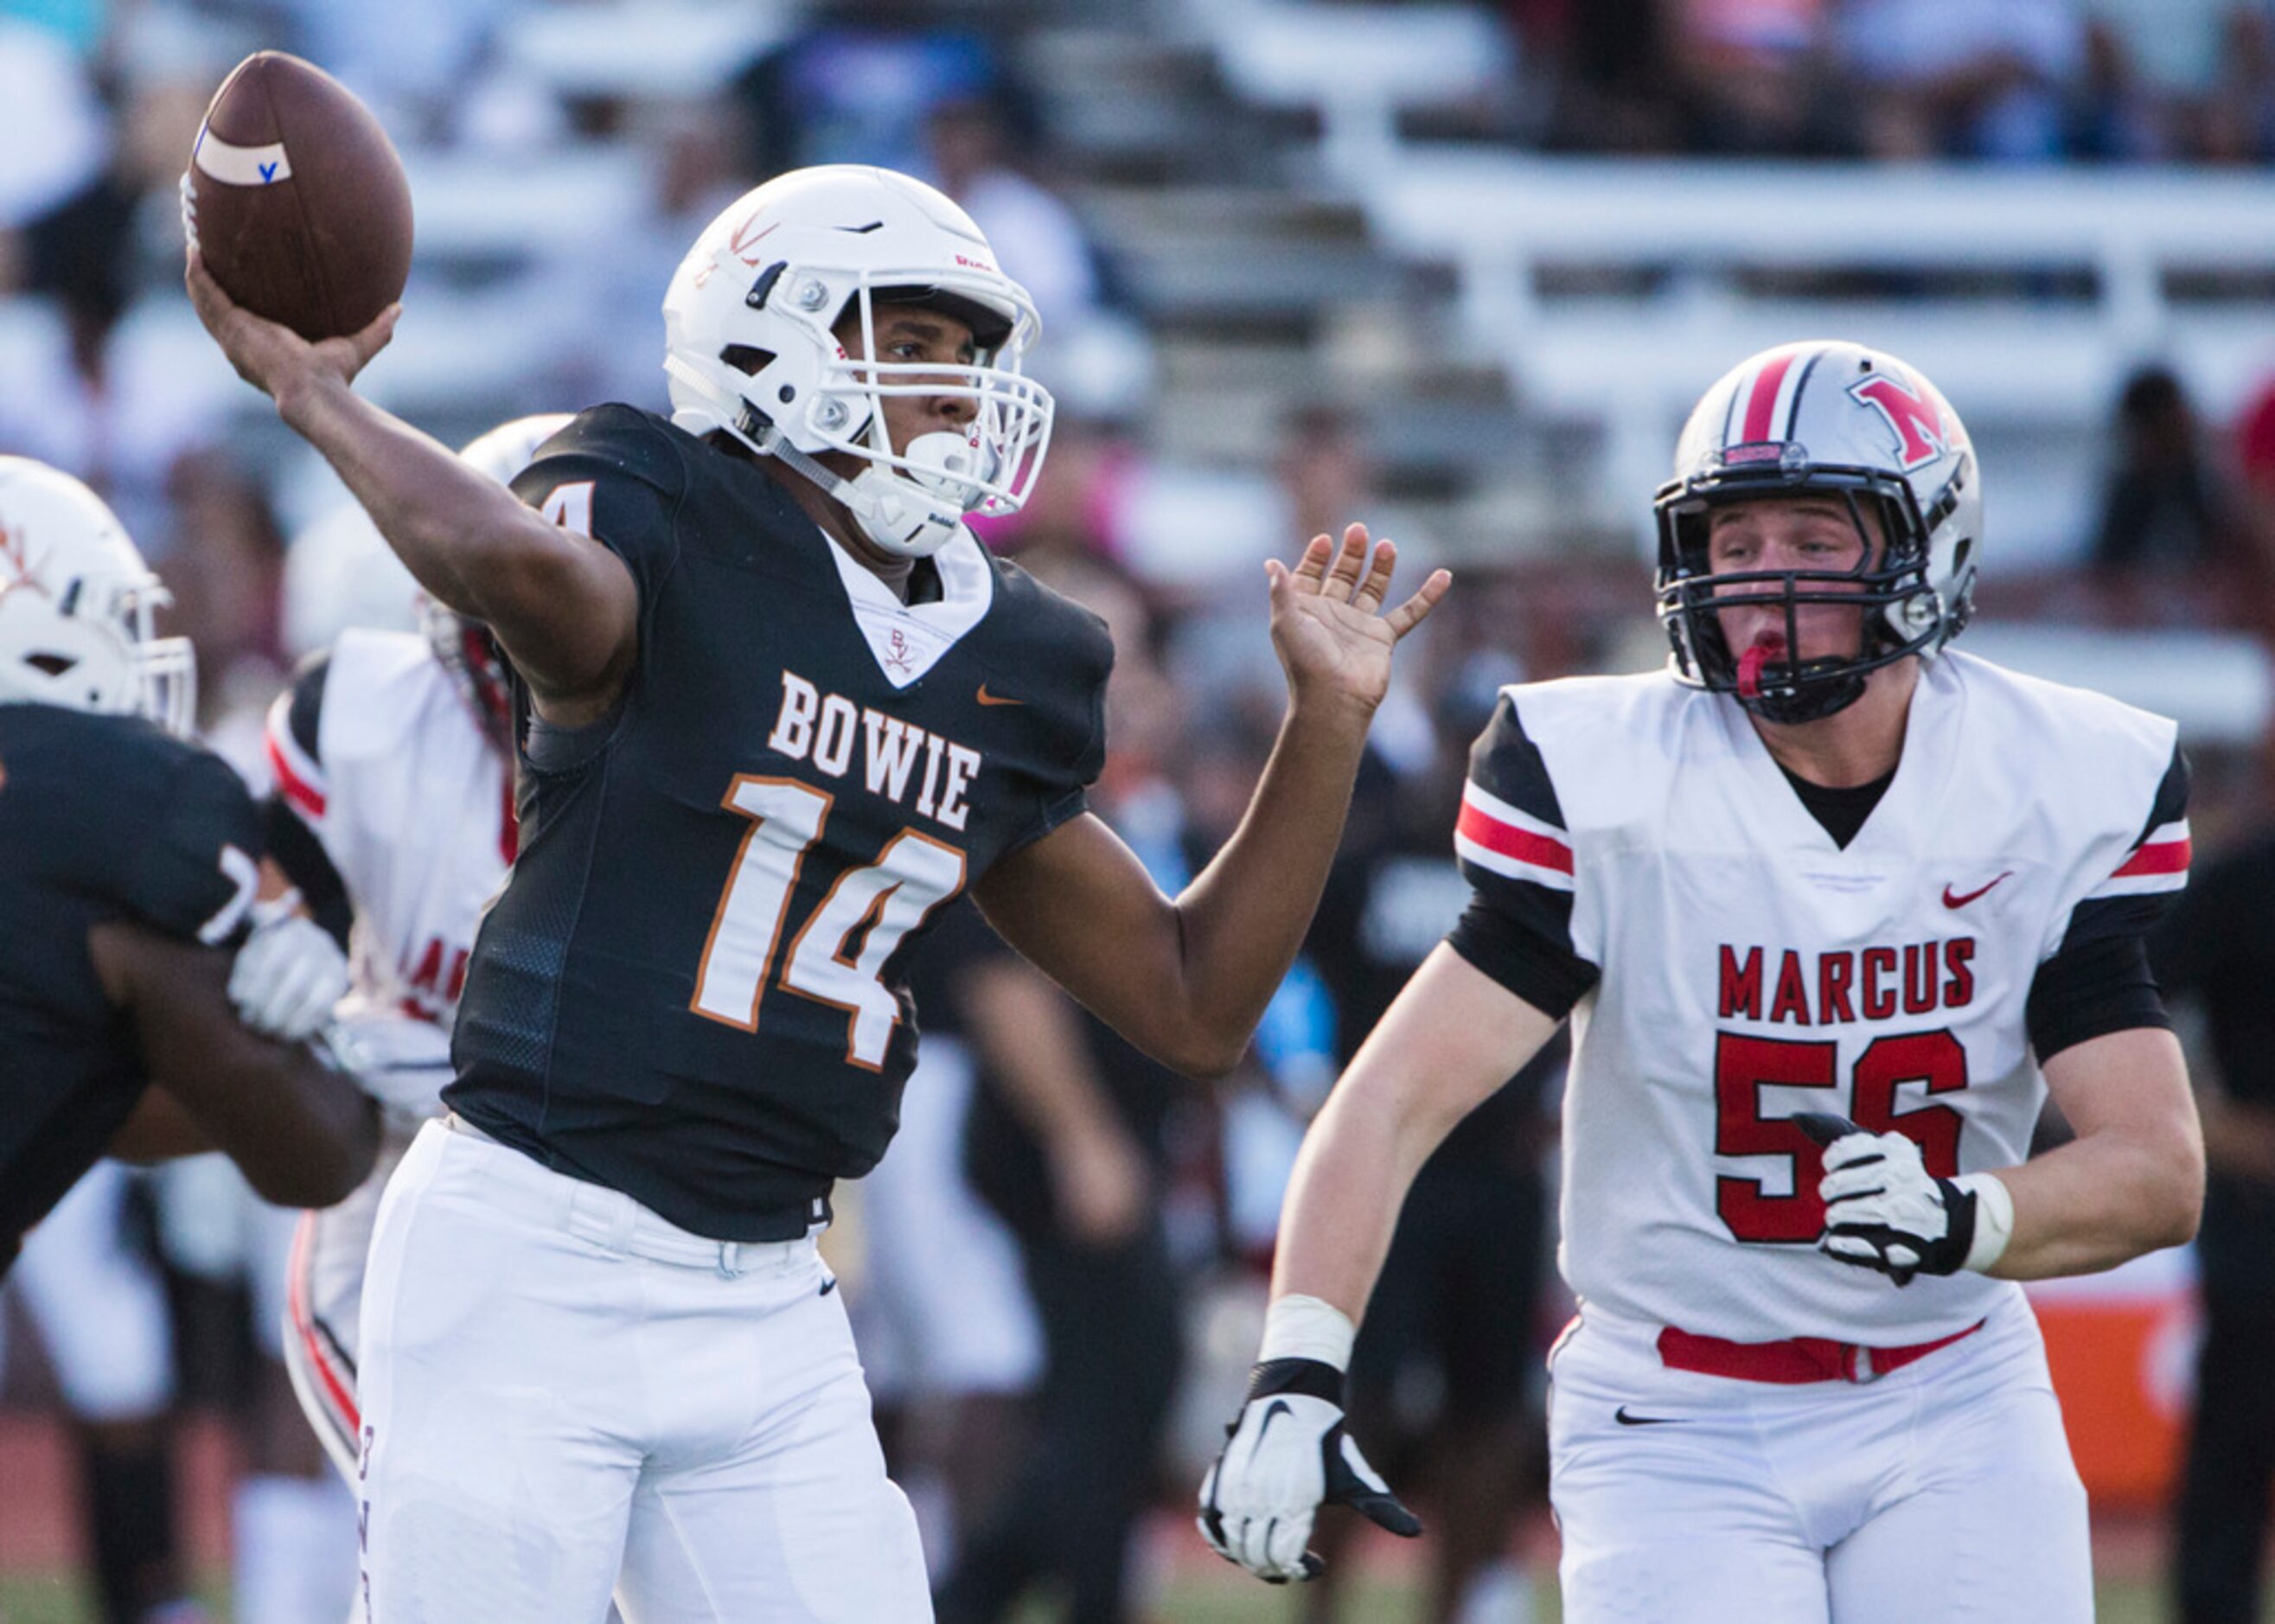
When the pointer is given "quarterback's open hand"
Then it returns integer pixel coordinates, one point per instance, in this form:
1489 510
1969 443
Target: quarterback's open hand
270 356
1883 1209
1285 1457
1328 624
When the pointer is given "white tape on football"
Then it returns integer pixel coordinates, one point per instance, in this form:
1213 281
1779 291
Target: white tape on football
241 166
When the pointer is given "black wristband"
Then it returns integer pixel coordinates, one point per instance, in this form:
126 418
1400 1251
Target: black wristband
1948 1256
1308 1377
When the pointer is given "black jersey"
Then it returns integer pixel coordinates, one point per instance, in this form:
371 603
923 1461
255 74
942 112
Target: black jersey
691 988
102 819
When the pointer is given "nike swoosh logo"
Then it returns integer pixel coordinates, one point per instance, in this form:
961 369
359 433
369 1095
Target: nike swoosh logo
1272 1413
1626 1420
986 698
828 1286
1949 901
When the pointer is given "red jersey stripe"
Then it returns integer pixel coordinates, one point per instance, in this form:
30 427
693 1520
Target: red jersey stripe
297 789
2169 857
1511 842
509 825
1763 404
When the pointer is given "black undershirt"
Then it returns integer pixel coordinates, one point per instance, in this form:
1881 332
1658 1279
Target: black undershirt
1842 811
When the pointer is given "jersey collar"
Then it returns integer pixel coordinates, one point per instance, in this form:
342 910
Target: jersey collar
1895 825
908 639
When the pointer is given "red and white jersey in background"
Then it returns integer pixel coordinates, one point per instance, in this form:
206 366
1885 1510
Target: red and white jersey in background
1750 968
411 803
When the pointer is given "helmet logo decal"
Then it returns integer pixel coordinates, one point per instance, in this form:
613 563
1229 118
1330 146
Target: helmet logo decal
13 551
1916 418
741 244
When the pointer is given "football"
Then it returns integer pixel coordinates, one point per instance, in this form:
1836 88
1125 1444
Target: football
295 200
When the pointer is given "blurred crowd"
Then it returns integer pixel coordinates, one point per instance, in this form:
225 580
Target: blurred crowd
2189 81
1057 1314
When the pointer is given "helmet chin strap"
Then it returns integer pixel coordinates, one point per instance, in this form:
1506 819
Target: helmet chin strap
890 514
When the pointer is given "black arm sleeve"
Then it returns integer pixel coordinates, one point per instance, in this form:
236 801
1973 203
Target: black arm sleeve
301 856
1516 856
1536 966
292 842
2090 989
2099 981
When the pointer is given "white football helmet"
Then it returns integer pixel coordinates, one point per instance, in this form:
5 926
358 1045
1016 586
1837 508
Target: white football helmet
750 349
1823 416
465 647
77 607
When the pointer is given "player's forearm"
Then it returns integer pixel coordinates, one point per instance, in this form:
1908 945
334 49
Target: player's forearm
2101 1200
1344 1198
456 531
1450 1039
1242 919
562 609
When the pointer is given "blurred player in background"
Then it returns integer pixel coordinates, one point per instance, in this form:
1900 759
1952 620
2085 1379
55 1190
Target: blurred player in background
2218 951
780 706
1442 1375
92 1292
393 816
1067 1143
129 869
950 1346
1825 863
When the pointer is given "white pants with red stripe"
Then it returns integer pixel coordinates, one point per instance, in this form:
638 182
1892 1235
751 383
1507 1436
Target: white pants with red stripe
323 1292
562 1395
1943 1490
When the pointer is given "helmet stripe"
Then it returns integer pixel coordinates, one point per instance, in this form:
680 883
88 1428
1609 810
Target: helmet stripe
1761 405
1789 405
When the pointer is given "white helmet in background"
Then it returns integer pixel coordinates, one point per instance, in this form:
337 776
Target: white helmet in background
505 450
1823 418
78 606
750 348
464 646
340 575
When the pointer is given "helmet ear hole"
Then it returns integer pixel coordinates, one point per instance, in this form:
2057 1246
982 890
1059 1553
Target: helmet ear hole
748 359
50 665
1960 555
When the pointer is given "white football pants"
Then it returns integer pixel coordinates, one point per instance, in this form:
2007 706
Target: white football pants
1944 1490
563 1395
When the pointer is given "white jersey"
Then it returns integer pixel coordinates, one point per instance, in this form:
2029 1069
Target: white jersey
1748 967
380 754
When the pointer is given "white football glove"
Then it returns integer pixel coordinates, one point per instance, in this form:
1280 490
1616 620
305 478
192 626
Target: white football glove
289 974
1885 1210
1286 1456
398 1060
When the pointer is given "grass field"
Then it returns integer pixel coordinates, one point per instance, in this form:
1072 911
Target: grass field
38 1539
1195 1598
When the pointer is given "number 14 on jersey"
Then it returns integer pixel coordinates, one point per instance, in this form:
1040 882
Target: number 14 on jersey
838 954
